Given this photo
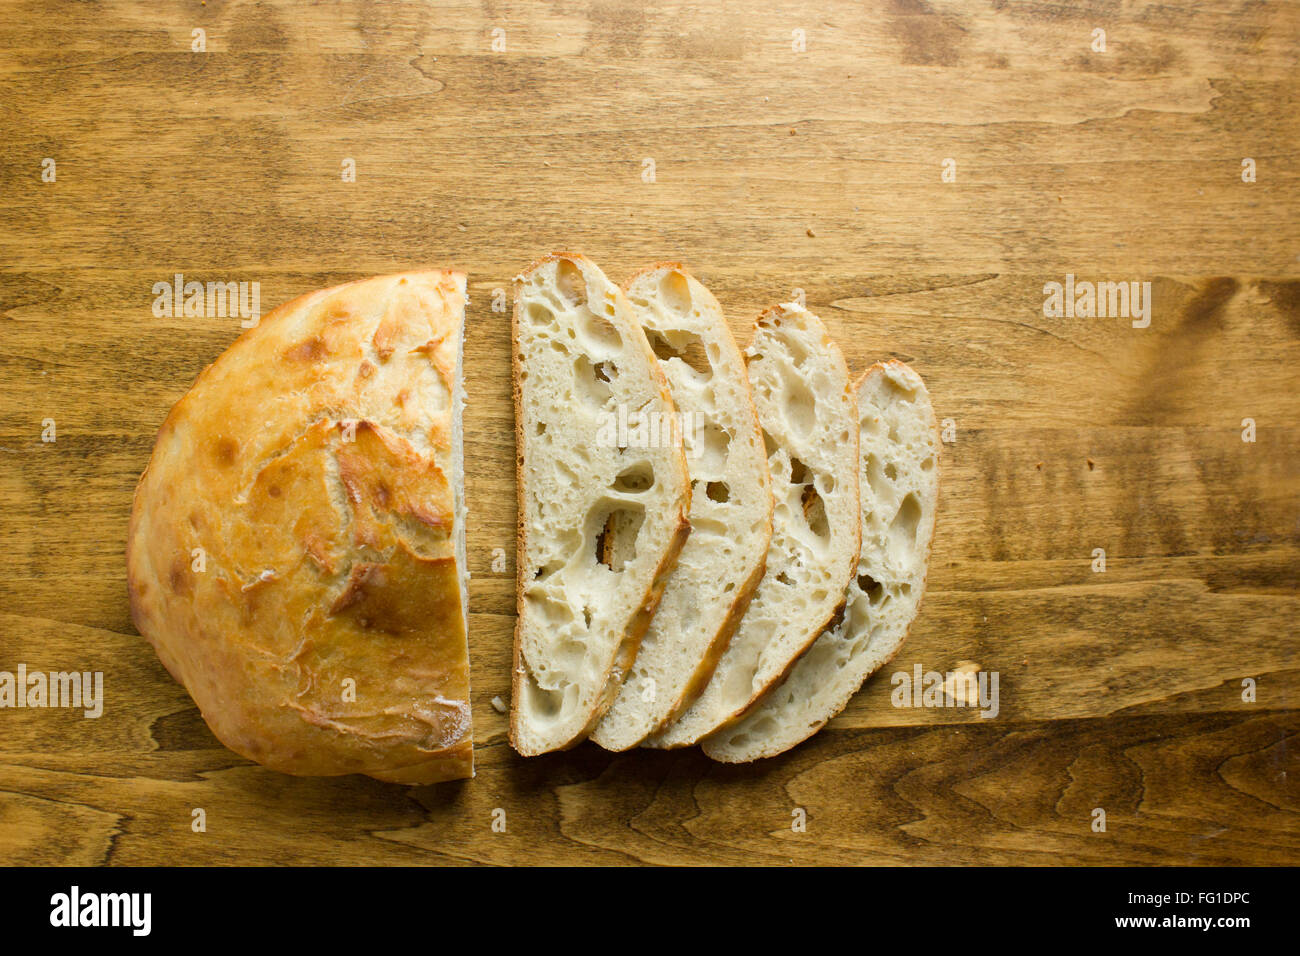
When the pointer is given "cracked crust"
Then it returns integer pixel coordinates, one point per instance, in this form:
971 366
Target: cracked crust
293 553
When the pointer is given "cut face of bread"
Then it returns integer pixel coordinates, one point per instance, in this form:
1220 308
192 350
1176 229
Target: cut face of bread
805 408
731 506
296 553
603 498
899 486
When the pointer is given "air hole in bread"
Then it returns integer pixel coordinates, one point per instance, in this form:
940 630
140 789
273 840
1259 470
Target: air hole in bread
814 512
874 476
615 539
891 472
599 333
539 315
555 613
547 569
718 491
900 394
797 351
708 448
545 704
799 405
685 347
770 444
799 472
571 282
591 382
763 728
702 526
785 579
675 291
927 464
870 587
905 523
636 479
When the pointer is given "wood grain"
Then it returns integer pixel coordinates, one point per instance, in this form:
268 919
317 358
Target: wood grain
774 170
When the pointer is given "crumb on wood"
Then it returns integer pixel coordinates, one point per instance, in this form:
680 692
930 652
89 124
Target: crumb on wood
1039 466
498 705
1091 464
811 234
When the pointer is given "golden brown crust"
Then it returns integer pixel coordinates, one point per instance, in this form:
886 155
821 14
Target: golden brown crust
516 392
640 621
292 544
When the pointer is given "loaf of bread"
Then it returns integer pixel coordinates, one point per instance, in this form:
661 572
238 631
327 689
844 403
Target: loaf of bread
805 408
731 505
899 478
296 552
603 498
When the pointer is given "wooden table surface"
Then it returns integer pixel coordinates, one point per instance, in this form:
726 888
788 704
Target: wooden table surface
792 145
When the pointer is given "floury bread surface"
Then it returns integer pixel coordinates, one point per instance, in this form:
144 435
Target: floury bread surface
296 552
601 521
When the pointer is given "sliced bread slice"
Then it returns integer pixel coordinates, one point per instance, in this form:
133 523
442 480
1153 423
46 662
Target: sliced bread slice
900 487
805 408
603 497
731 505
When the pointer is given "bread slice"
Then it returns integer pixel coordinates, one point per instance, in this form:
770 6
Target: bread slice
900 487
805 407
731 506
603 497
296 552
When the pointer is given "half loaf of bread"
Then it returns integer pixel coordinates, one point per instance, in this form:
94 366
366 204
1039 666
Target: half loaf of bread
900 486
731 505
805 408
603 498
296 552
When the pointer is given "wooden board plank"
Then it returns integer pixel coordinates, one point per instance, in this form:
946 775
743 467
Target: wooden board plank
774 170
